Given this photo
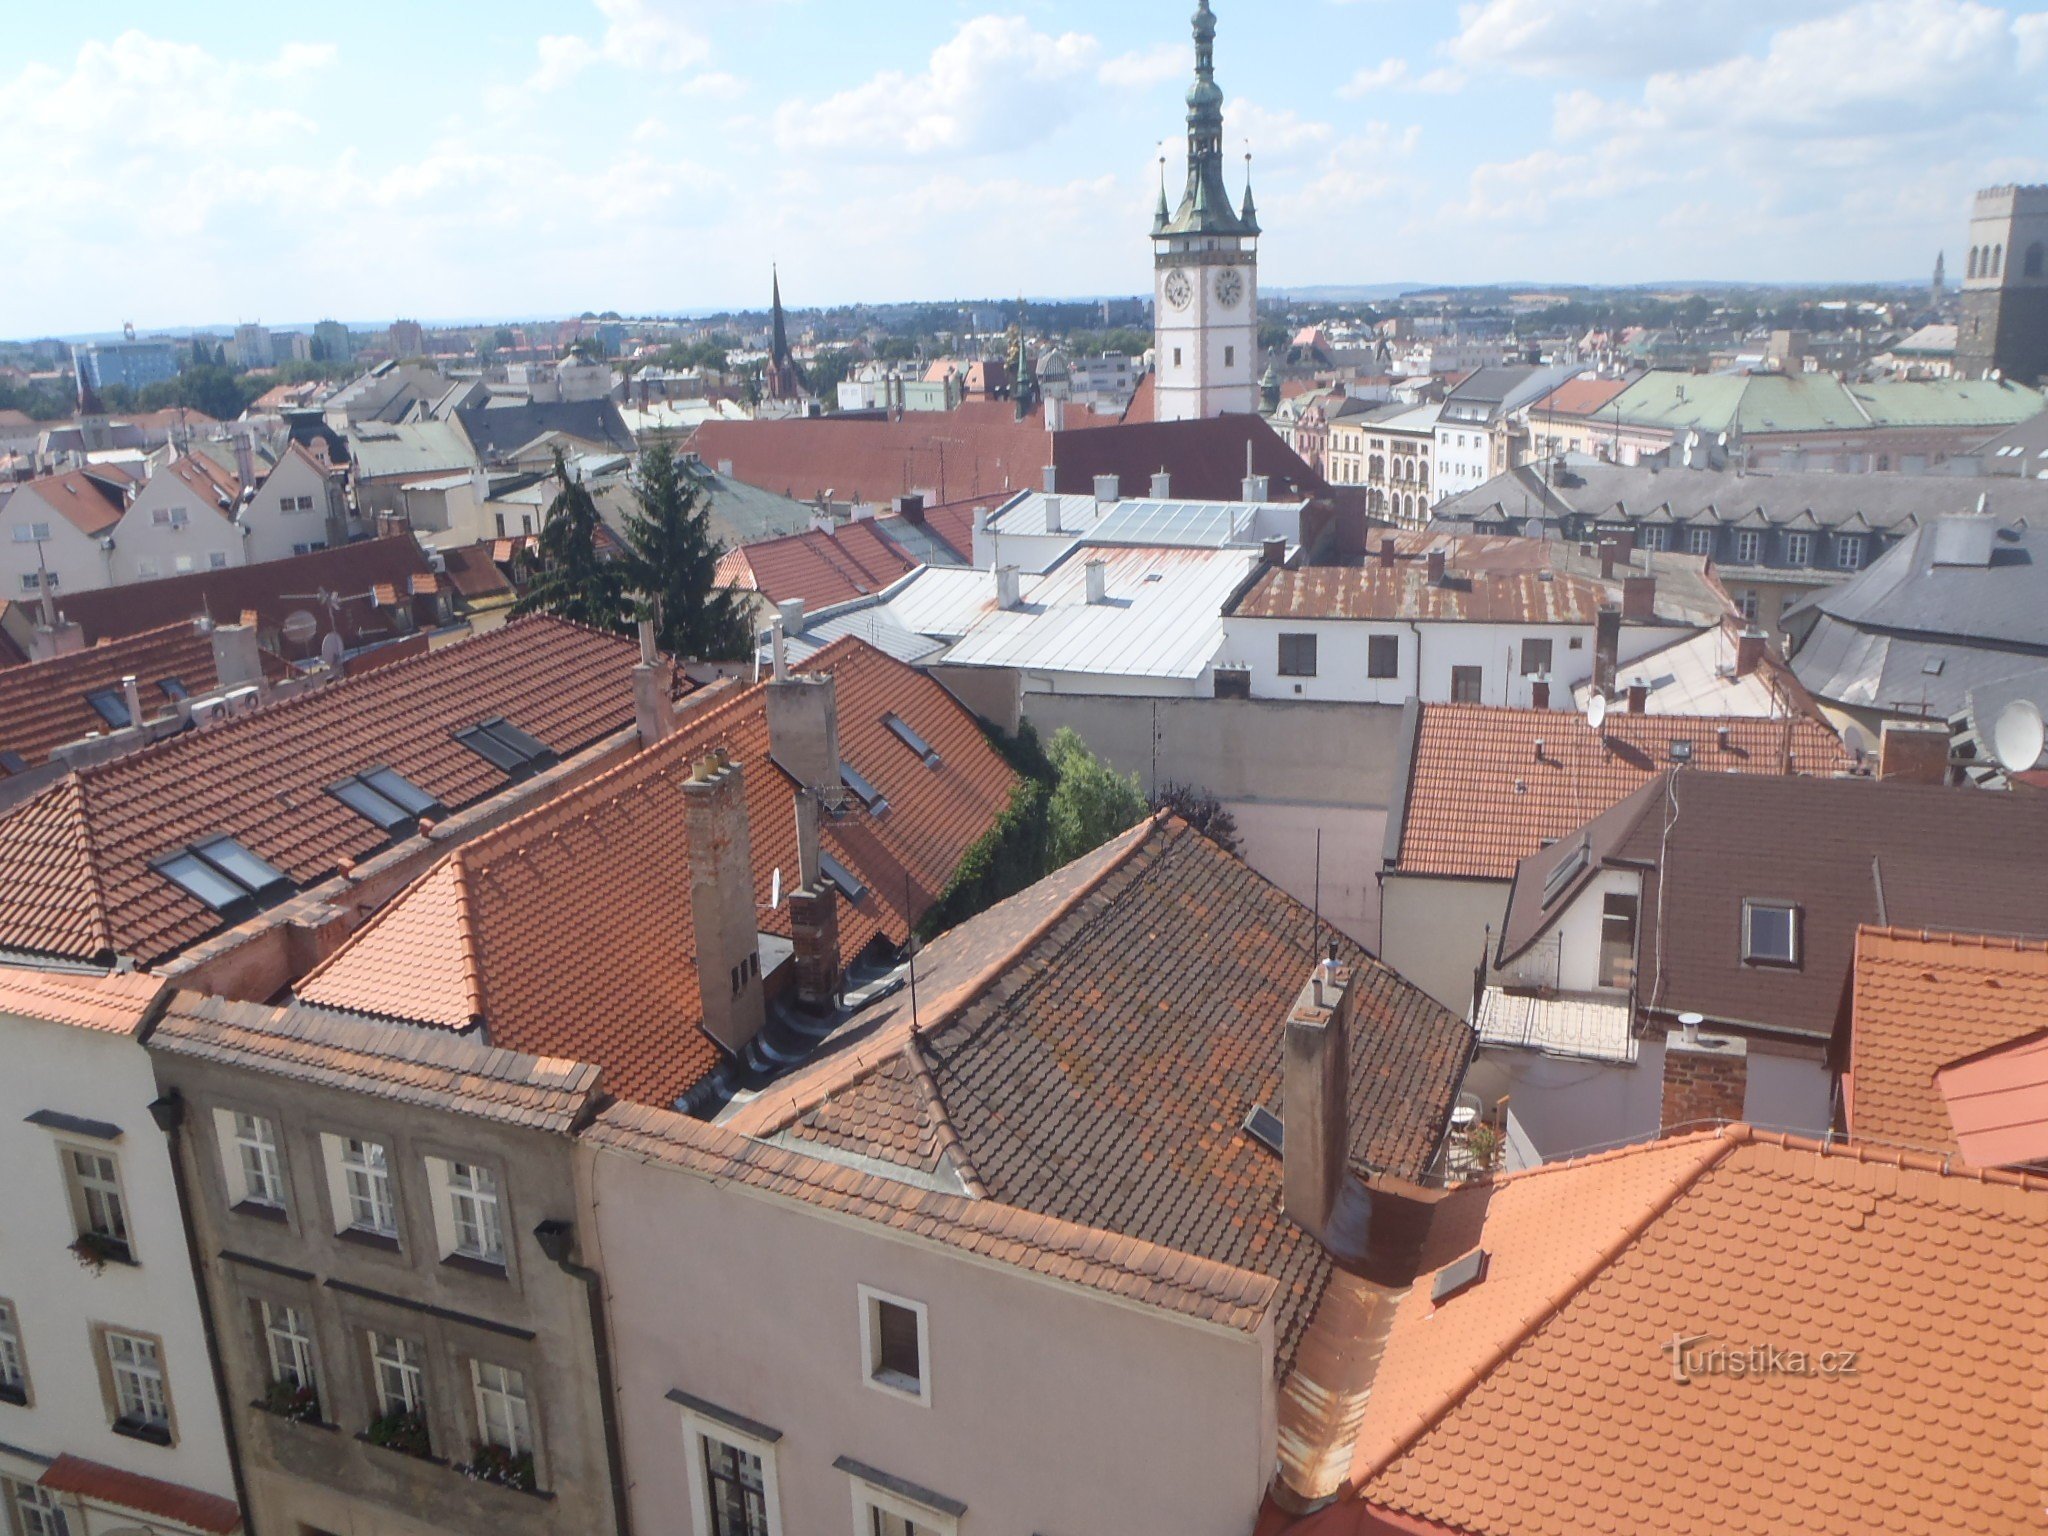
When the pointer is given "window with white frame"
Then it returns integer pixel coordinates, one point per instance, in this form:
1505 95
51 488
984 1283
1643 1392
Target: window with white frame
883 1512
895 1345
504 1418
732 1481
1654 536
255 1170
398 1372
31 581
1798 548
360 1181
135 1362
1749 545
1699 541
469 1211
13 1358
1748 604
1848 552
31 533
98 1210
36 1511
288 1339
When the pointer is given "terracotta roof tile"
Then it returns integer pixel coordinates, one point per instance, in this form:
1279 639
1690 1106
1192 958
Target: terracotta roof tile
75 876
114 1003
854 560
43 706
101 1484
567 931
92 500
1559 1358
1480 799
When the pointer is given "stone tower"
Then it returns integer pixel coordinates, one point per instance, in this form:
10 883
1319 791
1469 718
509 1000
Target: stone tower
2004 321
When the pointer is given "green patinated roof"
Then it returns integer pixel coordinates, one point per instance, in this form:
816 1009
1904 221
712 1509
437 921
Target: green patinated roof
1815 402
1948 403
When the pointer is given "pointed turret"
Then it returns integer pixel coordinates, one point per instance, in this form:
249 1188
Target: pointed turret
1205 206
1160 217
1249 217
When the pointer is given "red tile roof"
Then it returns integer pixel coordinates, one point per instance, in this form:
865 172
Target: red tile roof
1924 1005
216 488
92 500
1404 592
97 1483
473 571
1578 397
854 560
111 1004
75 879
602 966
43 705
1544 1400
1133 1011
1479 799
273 588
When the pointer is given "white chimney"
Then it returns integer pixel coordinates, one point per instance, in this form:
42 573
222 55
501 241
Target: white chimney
1162 486
792 611
132 696
1098 581
1009 587
781 647
1105 489
1051 477
1257 488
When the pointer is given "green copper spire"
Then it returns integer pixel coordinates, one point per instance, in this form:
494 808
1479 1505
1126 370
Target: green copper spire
1205 206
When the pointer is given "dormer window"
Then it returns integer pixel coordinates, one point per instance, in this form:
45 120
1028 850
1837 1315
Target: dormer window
1770 933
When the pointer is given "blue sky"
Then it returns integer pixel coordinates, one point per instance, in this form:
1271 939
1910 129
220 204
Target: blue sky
212 162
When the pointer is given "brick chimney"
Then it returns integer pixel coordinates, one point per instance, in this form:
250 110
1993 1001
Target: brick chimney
1539 693
1609 553
1387 551
1606 650
722 901
654 711
1624 546
1314 1100
236 660
1436 567
1749 651
61 638
1274 552
1639 599
1638 697
803 730
813 915
1914 752
1706 1077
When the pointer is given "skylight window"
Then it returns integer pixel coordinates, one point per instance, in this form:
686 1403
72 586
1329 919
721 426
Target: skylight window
857 781
909 737
1564 871
1770 933
174 688
506 747
387 800
842 877
1264 1127
112 707
225 875
401 791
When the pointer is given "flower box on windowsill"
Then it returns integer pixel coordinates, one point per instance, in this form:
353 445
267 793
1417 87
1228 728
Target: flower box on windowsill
143 1429
404 1433
301 1405
95 1251
494 1464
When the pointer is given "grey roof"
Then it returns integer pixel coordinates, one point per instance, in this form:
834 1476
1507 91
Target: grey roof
416 448
504 429
2020 450
921 542
870 619
1624 493
742 513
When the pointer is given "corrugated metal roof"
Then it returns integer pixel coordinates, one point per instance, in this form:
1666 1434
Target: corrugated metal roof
1199 524
1404 591
1163 616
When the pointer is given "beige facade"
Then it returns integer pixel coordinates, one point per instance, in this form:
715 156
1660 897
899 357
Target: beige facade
741 1320
1436 929
170 529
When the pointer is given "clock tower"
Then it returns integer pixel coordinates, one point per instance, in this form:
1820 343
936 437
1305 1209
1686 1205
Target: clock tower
1205 289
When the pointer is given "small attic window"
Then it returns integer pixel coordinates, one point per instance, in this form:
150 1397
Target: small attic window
871 797
111 705
1770 933
506 747
909 737
225 875
1458 1276
842 877
174 688
1564 871
1265 1127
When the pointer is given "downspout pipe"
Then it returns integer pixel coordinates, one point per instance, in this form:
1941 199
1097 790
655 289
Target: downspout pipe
168 1111
557 1240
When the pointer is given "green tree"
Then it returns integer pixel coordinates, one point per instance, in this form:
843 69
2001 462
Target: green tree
672 559
572 578
1091 802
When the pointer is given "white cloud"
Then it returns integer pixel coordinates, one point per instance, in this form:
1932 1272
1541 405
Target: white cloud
996 84
1609 37
1146 67
638 34
1395 75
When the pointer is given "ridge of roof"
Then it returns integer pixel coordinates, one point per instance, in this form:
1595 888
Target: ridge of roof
950 1144
2012 943
776 1109
1712 1146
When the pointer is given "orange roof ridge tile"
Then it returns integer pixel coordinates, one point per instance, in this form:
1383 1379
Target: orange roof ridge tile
773 1111
1712 1147
1958 940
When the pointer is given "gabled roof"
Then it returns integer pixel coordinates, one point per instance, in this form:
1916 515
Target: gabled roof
216 488
853 559
497 431
75 876
1091 1047
1928 1001
44 705
1204 457
1479 799
1844 851
567 931
1547 1399
91 500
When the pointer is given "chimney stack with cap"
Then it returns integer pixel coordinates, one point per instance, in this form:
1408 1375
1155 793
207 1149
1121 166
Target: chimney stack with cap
654 709
1314 1099
1609 551
1749 651
131 695
803 729
722 901
1098 581
236 660
1009 587
813 915
1105 489
1162 486
1257 487
1638 697
1706 1077
1914 751
1606 650
58 636
1639 599
1436 567
1050 484
1274 551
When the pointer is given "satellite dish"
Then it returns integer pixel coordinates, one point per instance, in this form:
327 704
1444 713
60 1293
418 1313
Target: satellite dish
331 649
2018 735
299 626
1857 743
1596 711
1533 529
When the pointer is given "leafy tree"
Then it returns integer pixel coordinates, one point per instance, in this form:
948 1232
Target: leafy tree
672 558
1200 810
1091 802
572 579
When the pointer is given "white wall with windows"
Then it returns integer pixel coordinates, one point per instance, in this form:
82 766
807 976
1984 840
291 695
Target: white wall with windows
1349 660
39 543
102 1354
170 529
288 513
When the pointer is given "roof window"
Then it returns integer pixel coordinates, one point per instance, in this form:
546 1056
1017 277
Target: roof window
225 875
1264 1127
502 744
841 876
909 737
386 799
858 782
1770 933
112 706
1564 871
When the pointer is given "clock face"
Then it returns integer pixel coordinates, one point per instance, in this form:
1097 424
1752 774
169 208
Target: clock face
1229 287
1178 289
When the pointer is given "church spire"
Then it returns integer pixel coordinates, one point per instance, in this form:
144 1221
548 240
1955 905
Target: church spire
1205 206
778 345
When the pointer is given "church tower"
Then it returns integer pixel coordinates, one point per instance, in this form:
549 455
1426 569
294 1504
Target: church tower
2003 324
1205 289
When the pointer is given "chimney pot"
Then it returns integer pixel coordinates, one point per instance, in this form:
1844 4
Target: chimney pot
1315 1100
1638 697
1009 587
722 902
792 611
1162 486
1274 552
1606 650
1257 488
1105 489
1050 485
1098 581
131 695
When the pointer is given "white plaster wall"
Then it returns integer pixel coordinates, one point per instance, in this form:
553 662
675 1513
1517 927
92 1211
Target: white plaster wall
104 1077
1568 955
1435 930
274 532
1342 651
139 542
1052 1408
74 558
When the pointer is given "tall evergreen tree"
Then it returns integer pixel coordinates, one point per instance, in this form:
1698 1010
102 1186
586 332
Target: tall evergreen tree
572 580
672 559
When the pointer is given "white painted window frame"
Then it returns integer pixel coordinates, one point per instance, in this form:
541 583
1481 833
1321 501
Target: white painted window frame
696 1430
871 1300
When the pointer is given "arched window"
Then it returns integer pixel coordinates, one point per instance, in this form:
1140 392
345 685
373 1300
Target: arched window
1973 261
1997 259
1422 475
1379 468
2033 267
